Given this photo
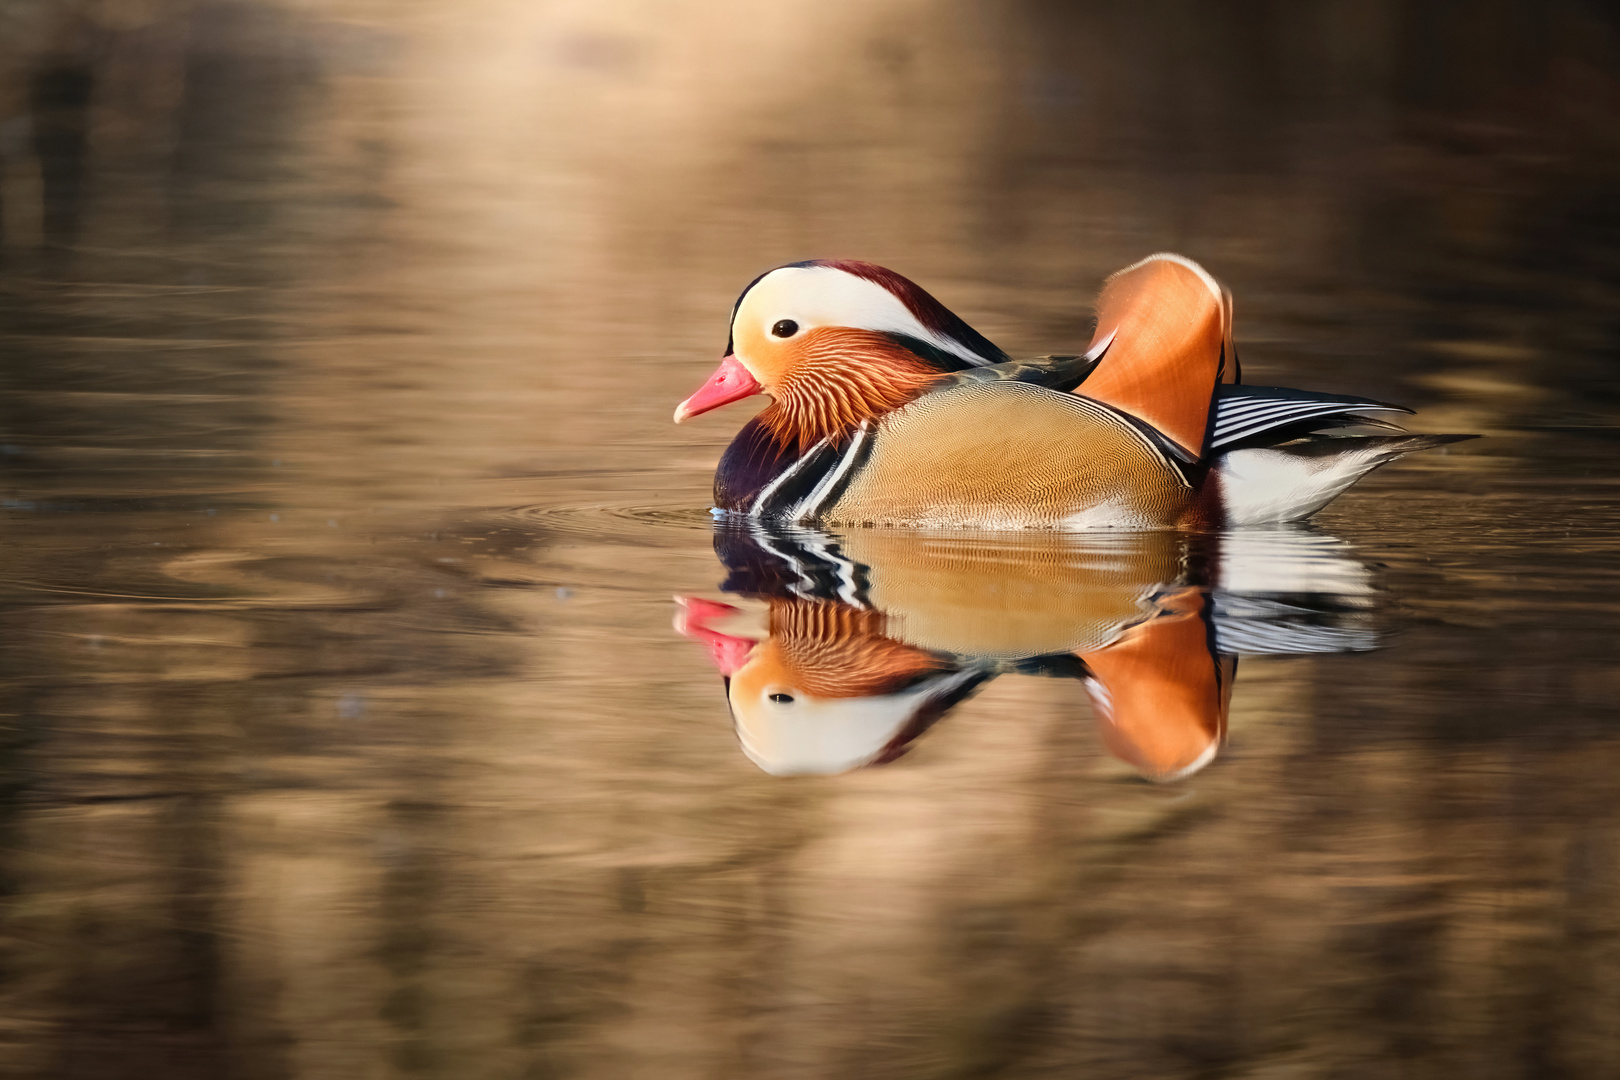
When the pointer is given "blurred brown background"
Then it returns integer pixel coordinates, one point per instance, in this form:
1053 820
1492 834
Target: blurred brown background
344 734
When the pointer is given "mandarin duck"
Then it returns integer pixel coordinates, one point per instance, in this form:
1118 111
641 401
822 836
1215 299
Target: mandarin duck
888 409
873 636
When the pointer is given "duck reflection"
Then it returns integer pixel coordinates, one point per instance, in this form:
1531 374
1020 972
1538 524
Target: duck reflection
869 637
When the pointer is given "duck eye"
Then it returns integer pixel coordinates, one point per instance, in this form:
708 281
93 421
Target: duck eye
782 699
785 328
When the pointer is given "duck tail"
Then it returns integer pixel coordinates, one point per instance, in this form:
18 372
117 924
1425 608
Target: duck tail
1270 484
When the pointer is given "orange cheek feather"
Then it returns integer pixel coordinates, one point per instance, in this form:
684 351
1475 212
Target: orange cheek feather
826 381
770 359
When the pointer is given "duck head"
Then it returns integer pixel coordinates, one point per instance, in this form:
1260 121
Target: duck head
833 343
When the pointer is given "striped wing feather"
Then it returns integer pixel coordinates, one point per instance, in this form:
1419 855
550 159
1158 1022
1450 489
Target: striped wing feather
1242 412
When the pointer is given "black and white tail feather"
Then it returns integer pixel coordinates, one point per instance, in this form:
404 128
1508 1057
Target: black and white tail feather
1243 412
1276 455
1264 485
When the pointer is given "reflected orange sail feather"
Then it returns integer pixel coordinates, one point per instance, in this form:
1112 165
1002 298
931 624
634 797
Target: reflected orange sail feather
1160 694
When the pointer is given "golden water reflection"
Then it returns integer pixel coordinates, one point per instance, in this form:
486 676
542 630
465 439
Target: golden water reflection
872 636
342 729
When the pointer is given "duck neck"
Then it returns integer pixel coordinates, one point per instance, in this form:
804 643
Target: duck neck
832 391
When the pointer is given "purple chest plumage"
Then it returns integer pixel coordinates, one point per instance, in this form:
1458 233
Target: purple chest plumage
755 458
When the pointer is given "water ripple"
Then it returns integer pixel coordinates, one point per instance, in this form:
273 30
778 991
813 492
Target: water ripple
614 522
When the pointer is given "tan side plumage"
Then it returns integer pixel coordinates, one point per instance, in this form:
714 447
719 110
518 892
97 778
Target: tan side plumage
1008 456
1170 324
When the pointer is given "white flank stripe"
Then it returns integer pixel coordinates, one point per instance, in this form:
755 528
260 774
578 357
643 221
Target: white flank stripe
788 473
812 502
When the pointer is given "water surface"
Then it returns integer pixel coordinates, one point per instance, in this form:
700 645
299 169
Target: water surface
346 732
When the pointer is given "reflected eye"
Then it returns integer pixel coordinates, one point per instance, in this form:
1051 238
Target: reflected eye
785 328
782 699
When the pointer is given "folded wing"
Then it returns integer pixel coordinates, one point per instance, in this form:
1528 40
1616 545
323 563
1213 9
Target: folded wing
1242 412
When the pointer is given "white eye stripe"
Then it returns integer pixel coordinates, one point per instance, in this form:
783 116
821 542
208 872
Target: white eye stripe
819 296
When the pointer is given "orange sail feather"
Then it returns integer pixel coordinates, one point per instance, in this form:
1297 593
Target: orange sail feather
1170 325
